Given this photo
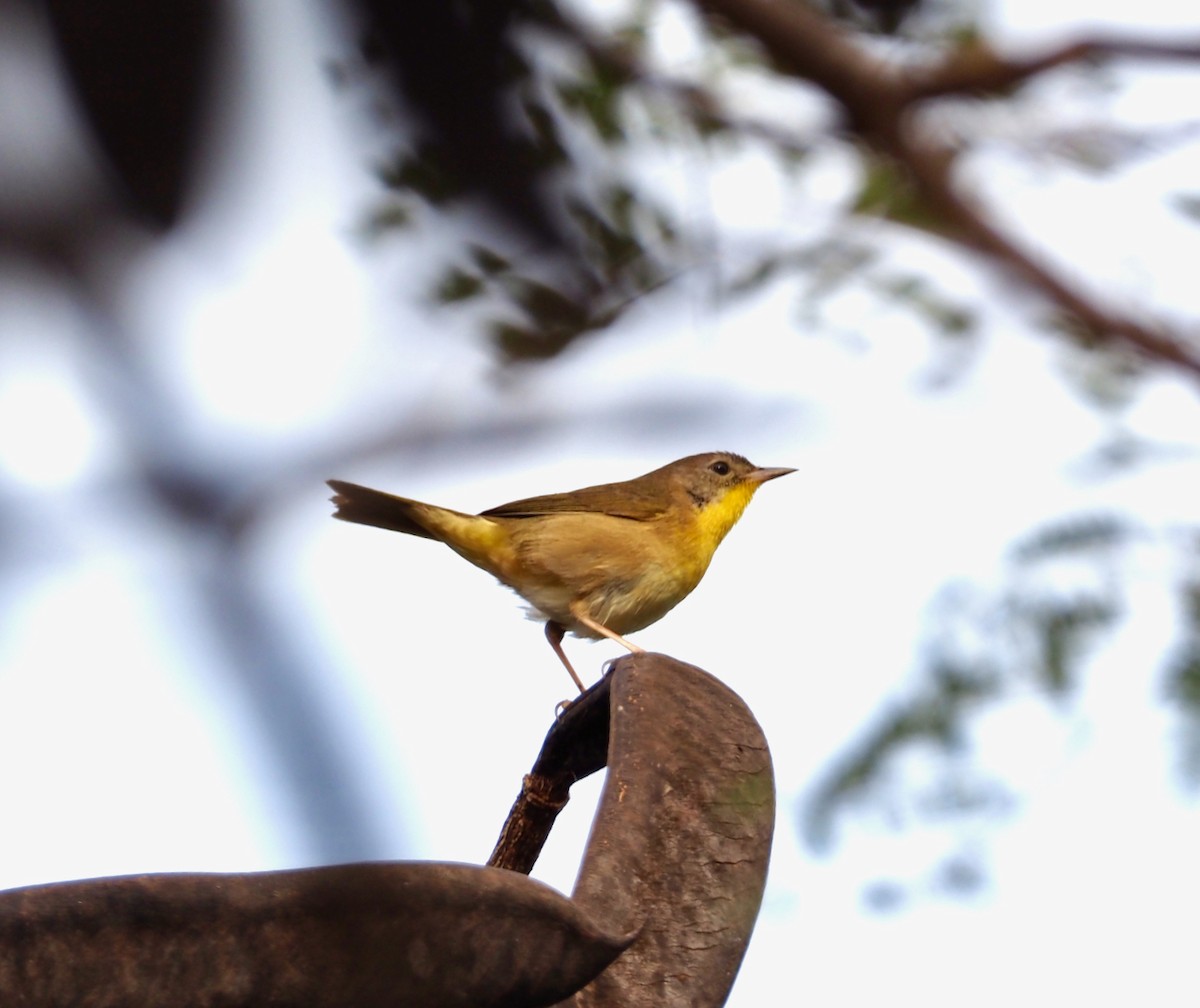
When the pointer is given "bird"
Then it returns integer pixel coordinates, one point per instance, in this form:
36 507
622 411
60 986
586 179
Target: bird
602 561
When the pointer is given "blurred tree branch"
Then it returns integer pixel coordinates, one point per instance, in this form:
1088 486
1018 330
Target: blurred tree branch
882 105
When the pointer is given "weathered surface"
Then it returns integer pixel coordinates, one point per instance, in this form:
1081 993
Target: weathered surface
352 936
681 841
676 864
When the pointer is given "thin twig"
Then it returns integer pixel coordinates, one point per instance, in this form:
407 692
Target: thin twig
980 70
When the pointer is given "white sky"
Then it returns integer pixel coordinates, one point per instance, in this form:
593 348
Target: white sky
127 752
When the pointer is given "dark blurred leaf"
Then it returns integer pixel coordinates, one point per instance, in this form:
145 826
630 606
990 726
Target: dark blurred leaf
1080 533
597 99
1063 632
956 794
960 876
547 150
423 172
1187 204
518 342
386 219
1107 375
884 896
1122 450
458 285
934 308
1102 147
762 272
1191 607
488 261
552 309
1182 684
831 264
554 319
1097 148
1183 680
615 246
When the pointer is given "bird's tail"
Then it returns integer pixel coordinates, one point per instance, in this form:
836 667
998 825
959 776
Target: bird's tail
365 506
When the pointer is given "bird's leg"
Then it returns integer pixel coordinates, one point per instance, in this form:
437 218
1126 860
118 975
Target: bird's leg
554 634
578 612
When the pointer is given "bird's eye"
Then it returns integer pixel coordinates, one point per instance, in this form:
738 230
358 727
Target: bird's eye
721 468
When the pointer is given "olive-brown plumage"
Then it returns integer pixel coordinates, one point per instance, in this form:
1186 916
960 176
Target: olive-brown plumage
599 562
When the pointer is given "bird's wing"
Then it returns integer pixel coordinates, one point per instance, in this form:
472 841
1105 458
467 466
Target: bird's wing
633 503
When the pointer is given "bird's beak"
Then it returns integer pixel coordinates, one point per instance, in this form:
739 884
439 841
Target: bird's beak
762 475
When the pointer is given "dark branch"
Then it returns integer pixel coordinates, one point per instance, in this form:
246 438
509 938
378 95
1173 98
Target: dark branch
575 747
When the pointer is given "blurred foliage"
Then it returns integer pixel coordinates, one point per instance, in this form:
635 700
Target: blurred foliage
1029 641
934 718
1182 680
587 107
1187 204
565 104
579 114
942 315
1100 148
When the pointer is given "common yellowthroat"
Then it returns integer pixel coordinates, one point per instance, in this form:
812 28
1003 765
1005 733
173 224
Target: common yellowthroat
600 562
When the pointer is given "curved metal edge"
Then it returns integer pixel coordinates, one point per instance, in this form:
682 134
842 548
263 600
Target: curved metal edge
682 838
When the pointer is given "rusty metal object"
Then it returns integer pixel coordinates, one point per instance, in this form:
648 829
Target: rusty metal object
681 840
666 899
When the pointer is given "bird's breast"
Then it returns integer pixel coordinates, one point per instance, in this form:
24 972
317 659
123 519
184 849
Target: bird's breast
627 573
